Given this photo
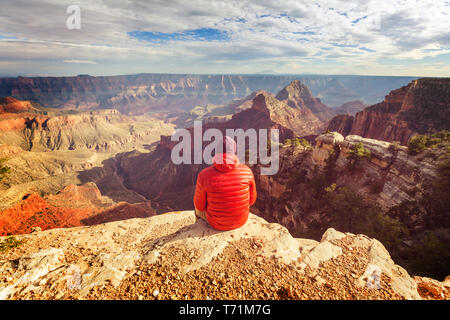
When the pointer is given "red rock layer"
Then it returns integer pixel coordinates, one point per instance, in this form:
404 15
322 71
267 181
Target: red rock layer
420 107
73 206
12 105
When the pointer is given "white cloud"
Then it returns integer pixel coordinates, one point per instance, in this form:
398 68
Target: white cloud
80 61
289 36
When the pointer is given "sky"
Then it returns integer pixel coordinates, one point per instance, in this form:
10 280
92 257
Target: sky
381 37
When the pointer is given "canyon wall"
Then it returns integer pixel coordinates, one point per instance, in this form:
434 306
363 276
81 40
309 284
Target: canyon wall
423 106
388 178
149 92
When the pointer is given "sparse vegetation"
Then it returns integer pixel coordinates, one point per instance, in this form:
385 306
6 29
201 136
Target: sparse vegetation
351 212
9 243
417 144
4 170
422 142
357 154
394 146
302 143
298 142
430 257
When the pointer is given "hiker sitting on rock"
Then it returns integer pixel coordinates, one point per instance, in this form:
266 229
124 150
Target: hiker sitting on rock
225 191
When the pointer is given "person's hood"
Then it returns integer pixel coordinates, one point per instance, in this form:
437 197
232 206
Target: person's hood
225 162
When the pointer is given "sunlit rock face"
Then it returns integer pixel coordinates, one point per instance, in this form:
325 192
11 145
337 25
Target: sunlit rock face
420 107
388 178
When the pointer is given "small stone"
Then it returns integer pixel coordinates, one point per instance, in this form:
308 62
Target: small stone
36 230
155 293
59 295
320 280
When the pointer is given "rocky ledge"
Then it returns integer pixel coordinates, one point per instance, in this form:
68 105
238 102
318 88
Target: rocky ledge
176 256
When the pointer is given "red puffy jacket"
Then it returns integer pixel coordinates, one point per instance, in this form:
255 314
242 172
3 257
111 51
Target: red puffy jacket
225 191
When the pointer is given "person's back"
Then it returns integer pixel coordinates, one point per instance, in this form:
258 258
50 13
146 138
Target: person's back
225 191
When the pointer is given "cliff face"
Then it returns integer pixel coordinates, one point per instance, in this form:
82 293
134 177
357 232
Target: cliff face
388 178
175 256
341 123
420 107
105 130
144 92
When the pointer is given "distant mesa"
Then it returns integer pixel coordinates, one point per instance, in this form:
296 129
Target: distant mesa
350 108
142 93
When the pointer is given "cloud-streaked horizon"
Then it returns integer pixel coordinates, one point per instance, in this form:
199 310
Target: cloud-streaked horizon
402 37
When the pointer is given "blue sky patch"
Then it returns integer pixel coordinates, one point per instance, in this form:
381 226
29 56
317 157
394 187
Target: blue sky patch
4 36
345 45
203 34
305 32
359 19
367 49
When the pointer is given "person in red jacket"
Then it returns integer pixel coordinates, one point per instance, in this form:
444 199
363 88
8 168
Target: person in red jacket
225 191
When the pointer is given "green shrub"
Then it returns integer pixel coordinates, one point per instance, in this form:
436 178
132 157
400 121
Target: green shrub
297 142
356 154
4 170
421 142
417 144
394 146
9 243
305 144
351 212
